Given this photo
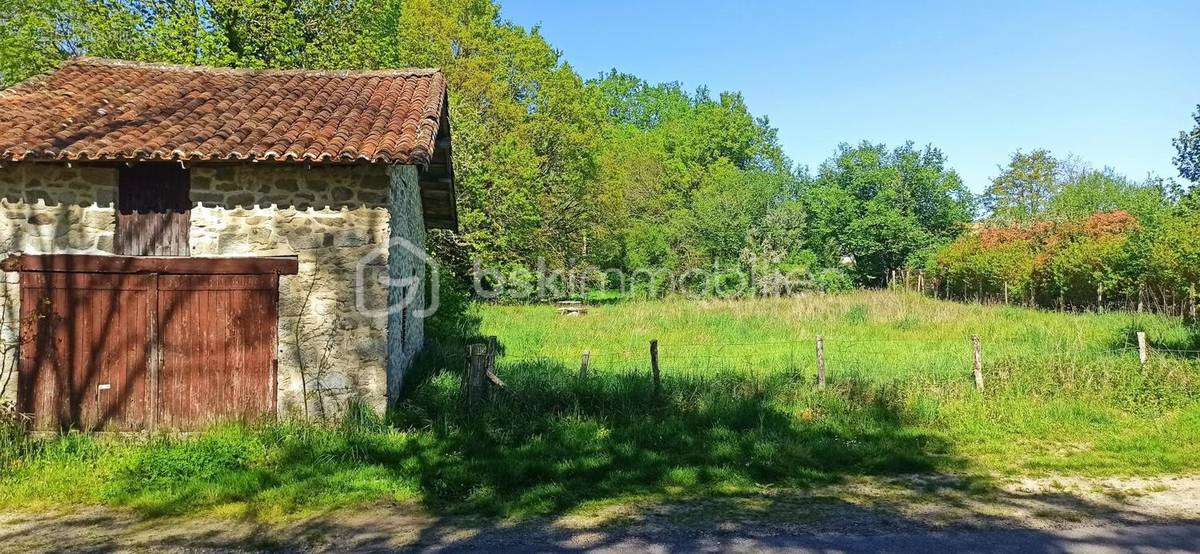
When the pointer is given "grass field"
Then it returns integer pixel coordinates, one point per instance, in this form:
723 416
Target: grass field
739 413
866 334
1064 392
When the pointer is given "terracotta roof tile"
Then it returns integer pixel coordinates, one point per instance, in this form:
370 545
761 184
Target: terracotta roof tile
93 109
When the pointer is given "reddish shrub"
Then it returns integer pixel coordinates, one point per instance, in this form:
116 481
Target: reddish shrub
1109 223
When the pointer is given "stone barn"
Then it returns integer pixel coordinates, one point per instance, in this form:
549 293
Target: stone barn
188 244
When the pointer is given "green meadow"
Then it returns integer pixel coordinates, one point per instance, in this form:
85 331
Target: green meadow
739 413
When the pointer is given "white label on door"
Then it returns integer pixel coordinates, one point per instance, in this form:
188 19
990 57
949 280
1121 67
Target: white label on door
104 386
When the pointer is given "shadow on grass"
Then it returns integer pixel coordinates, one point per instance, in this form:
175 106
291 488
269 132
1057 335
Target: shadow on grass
552 442
548 445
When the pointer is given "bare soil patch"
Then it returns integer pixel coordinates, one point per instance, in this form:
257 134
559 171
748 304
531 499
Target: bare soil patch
933 504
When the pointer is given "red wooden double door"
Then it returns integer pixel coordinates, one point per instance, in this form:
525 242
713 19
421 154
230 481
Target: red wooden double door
126 351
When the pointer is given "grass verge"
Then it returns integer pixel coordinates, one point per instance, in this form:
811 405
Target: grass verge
1061 399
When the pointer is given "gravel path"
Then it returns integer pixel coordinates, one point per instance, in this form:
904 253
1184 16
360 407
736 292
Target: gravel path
913 514
1090 540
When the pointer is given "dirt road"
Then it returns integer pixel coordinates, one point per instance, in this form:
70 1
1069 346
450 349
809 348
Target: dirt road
913 514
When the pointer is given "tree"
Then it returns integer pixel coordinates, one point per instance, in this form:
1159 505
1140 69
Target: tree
1174 252
682 176
991 263
883 206
1187 146
1088 262
1094 191
726 206
1024 188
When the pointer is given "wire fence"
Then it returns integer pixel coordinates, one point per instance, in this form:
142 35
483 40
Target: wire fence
939 357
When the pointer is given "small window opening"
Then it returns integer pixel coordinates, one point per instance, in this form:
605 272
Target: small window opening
154 209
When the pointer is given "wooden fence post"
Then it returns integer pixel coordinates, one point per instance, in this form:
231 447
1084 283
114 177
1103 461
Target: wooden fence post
921 281
820 362
477 364
1143 349
492 347
977 351
654 373
583 364
1192 296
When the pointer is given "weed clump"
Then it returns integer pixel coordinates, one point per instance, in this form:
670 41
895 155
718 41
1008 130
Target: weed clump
857 314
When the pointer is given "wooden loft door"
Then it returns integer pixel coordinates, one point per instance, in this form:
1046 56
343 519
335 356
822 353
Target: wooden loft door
153 210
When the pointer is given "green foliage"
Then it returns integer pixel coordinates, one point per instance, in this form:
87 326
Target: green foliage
1063 235
683 178
454 320
1173 253
1187 148
1107 191
1084 266
14 434
881 206
774 251
858 314
832 279
985 264
167 460
1024 188
1104 258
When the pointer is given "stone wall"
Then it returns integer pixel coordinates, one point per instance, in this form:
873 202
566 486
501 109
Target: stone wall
330 218
406 272
333 325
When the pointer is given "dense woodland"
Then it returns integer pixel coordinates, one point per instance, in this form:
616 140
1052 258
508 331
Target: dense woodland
562 171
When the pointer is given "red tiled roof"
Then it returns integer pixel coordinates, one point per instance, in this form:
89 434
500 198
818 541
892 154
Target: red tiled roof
92 109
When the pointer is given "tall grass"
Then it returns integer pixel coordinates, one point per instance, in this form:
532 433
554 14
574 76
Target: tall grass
870 334
1056 383
15 443
738 413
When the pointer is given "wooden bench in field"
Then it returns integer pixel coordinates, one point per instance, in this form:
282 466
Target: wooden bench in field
571 307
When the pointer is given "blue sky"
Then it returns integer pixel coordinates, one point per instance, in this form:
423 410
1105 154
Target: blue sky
1109 82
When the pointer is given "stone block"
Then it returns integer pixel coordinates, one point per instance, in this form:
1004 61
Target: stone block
99 218
104 243
341 194
308 240
351 237
260 237
208 198
373 197
42 218
230 243
241 199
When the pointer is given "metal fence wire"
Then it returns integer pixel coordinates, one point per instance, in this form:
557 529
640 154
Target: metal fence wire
868 357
